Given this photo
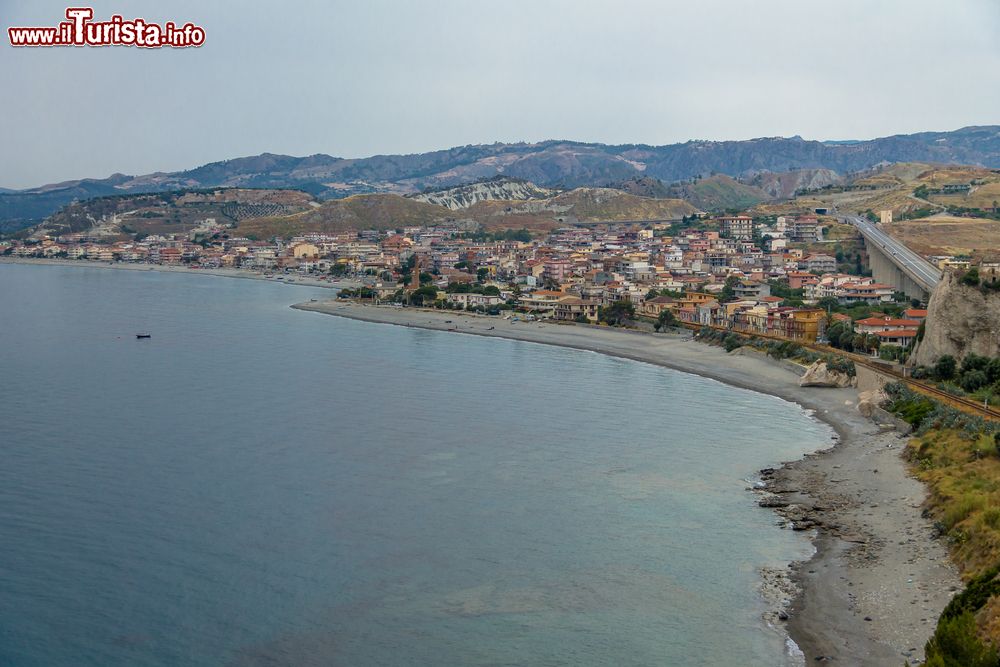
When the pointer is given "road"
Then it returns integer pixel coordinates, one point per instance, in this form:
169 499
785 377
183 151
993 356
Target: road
922 271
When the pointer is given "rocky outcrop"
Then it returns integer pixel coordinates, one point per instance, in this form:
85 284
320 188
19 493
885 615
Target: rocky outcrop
960 319
820 375
868 401
497 189
784 185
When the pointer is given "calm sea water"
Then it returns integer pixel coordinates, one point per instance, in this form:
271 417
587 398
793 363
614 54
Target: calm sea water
261 486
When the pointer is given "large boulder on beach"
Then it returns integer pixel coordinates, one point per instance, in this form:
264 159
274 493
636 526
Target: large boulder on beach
820 375
868 401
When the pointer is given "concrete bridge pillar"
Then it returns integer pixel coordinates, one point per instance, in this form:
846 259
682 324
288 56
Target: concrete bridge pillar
884 270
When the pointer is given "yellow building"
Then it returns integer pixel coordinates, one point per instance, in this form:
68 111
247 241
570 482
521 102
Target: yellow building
305 251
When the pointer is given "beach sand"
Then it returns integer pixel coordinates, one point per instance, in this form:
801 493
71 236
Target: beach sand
180 268
873 591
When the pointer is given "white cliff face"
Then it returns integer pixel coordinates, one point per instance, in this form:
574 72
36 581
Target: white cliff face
465 196
960 319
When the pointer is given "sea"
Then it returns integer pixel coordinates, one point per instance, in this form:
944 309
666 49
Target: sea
260 486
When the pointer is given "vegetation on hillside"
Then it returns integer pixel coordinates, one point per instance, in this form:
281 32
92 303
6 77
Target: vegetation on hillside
957 455
977 376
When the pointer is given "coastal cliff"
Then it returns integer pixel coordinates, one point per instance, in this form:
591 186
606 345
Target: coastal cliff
962 317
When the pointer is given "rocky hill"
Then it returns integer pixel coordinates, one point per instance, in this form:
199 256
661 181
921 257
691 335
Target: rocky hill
784 185
608 204
385 211
961 318
718 193
372 211
177 212
284 213
562 164
494 189
644 186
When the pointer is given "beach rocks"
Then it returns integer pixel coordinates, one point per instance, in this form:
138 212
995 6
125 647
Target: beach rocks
820 375
868 401
801 517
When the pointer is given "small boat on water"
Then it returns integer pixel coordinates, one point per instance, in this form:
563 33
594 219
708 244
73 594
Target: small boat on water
144 335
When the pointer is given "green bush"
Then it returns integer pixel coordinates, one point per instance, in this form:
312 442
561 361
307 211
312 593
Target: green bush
945 367
974 380
731 342
970 278
955 644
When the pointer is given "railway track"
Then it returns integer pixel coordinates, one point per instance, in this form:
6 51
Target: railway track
925 388
958 402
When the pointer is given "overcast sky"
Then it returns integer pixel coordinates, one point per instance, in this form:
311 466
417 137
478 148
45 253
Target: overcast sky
359 78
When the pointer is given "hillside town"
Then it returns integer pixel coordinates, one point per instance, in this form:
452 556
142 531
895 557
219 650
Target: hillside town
736 272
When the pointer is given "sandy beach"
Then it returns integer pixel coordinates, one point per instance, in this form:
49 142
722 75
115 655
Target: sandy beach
166 268
873 591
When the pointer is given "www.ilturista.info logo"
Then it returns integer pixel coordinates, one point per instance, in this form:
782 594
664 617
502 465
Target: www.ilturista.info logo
80 30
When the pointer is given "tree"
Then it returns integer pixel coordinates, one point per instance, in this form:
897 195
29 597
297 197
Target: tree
618 313
974 362
491 290
971 278
424 295
841 336
974 380
993 370
666 319
829 304
944 368
482 274
729 289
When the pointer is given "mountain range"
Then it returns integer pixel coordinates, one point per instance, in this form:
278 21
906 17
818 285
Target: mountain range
548 164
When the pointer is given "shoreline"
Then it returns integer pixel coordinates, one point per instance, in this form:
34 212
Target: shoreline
873 590
243 274
878 580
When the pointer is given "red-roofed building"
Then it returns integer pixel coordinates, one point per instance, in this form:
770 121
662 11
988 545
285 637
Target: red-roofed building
871 293
876 324
799 279
901 337
889 330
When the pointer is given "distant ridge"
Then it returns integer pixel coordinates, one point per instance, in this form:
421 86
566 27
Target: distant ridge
548 164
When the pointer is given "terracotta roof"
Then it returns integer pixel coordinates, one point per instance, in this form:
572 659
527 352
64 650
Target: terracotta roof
899 333
862 286
888 321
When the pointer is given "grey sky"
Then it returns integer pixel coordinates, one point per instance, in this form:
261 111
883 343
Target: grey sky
376 76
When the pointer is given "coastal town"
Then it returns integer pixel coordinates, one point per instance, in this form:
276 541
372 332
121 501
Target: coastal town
440 333
778 276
